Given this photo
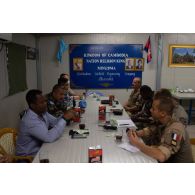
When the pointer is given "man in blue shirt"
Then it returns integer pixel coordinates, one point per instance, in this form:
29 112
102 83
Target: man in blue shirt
35 124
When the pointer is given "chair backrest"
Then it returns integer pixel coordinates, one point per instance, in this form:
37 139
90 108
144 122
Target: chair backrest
192 141
21 114
7 141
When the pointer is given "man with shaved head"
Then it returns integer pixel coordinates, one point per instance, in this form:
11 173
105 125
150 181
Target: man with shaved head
134 102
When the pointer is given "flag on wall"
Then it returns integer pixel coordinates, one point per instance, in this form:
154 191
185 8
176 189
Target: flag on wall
147 48
62 48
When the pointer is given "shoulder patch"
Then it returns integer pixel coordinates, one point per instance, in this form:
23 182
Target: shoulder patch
175 138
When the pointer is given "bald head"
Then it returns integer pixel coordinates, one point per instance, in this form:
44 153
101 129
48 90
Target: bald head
136 84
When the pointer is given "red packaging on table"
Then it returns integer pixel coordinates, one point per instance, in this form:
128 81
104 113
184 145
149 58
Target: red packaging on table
95 154
111 99
102 113
78 114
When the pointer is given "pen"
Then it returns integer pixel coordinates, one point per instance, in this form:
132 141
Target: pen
124 124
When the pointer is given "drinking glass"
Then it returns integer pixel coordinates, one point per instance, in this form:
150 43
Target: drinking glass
43 157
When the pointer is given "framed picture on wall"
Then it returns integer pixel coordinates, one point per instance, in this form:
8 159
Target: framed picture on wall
182 56
139 64
129 64
78 64
30 53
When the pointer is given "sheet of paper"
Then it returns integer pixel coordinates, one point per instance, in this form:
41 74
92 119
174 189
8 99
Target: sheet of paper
127 146
126 123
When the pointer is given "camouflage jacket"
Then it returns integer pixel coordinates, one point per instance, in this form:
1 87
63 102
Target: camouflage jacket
55 108
172 139
135 99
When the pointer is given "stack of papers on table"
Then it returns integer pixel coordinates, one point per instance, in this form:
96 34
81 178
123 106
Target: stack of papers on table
127 146
123 123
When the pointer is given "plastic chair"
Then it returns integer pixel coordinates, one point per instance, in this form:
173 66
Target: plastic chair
8 143
21 114
192 141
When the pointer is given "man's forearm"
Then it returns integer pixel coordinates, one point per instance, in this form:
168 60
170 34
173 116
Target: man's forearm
132 108
151 151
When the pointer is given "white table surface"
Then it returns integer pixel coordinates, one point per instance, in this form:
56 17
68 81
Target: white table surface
180 95
67 150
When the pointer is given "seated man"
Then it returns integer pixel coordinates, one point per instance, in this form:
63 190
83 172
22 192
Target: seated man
56 105
179 112
143 118
70 91
68 100
134 102
34 125
173 143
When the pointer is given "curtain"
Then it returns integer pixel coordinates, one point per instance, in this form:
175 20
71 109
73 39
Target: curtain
16 65
4 85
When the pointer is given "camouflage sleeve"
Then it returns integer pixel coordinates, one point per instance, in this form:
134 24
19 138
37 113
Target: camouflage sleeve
147 131
152 134
171 142
151 129
53 110
129 101
139 102
184 121
68 102
180 114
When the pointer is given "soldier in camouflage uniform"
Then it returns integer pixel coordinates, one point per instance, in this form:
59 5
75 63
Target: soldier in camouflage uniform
169 140
143 117
179 112
68 100
70 91
134 102
55 101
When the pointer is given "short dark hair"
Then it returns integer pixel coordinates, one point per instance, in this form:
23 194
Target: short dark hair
147 91
165 104
56 87
62 81
31 96
163 93
63 74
